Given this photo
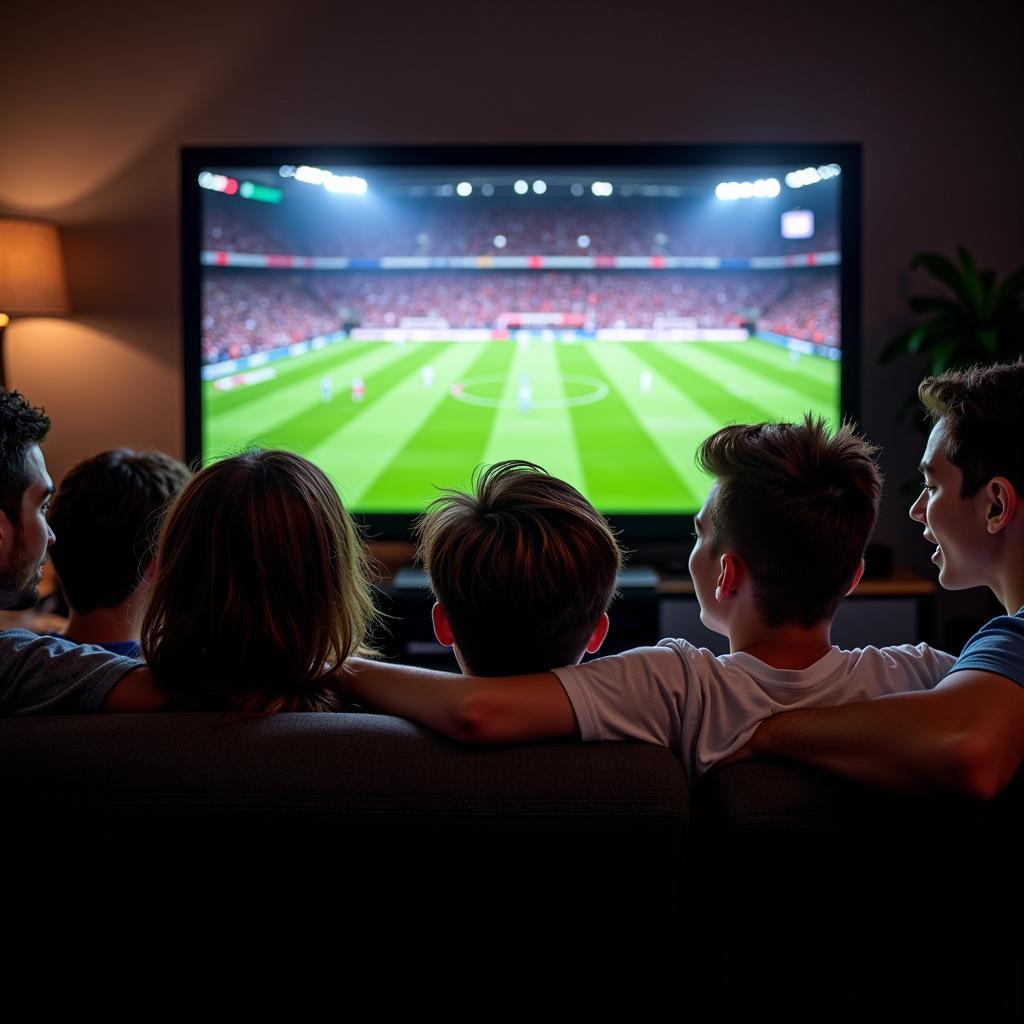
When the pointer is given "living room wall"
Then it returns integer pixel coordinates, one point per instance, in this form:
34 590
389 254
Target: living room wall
98 98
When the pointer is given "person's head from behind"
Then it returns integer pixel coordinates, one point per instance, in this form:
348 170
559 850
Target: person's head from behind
25 490
973 469
260 589
523 570
106 515
786 522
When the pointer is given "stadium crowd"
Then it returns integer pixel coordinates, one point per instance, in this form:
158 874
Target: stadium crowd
251 311
638 227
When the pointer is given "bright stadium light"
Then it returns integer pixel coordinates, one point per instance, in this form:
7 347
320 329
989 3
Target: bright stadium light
773 188
583 241
344 184
500 241
540 187
218 183
287 171
601 188
311 175
726 190
487 190
521 187
811 175
577 189
464 188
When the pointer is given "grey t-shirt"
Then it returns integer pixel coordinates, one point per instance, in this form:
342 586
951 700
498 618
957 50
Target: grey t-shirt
46 675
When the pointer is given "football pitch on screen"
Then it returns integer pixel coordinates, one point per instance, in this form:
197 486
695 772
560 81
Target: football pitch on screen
391 423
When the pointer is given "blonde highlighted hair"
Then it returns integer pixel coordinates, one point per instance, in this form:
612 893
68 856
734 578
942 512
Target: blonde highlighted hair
260 590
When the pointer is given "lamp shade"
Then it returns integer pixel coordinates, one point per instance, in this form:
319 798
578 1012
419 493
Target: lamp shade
31 268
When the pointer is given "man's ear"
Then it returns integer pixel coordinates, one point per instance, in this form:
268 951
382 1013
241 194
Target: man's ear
597 637
730 577
6 534
442 628
856 578
1000 504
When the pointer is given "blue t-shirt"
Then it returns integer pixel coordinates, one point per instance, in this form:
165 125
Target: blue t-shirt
997 647
126 648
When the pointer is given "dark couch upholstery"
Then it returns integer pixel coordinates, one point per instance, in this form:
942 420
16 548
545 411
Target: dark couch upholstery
359 863
318 861
835 901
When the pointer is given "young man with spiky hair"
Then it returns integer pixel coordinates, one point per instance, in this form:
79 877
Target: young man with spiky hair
46 675
966 735
523 569
779 543
106 516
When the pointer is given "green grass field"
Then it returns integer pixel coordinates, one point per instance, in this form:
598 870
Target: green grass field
621 421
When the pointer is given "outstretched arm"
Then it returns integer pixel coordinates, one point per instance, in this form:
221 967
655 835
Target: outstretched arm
474 709
137 691
966 735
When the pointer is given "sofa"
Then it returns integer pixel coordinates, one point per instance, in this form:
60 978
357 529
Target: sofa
318 863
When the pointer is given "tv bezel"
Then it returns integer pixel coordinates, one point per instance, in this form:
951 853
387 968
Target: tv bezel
639 532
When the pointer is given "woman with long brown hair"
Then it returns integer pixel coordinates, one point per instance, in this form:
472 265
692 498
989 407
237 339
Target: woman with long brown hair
260 592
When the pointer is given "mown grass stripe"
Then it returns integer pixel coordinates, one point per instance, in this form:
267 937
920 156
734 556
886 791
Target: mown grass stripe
444 450
624 469
287 371
318 420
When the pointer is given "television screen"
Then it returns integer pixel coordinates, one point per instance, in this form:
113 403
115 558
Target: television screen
402 315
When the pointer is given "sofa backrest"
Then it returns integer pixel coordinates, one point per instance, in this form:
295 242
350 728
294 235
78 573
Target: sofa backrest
304 855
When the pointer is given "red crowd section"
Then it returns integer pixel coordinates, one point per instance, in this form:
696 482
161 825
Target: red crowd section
252 311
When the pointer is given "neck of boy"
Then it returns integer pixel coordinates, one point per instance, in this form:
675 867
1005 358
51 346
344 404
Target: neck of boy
786 647
104 625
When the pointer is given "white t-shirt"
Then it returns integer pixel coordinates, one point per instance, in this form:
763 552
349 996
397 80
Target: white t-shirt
705 707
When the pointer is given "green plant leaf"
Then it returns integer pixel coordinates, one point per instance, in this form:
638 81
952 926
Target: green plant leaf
944 270
972 281
1011 292
942 355
895 347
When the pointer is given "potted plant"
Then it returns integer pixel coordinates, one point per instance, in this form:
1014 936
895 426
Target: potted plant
980 319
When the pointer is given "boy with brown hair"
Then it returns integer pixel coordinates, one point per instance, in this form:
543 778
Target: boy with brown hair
106 515
524 556
779 543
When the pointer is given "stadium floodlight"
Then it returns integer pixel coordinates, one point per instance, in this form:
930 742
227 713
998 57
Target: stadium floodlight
577 189
487 190
311 175
812 175
540 187
583 241
218 183
521 187
601 188
344 184
287 171
464 188
500 241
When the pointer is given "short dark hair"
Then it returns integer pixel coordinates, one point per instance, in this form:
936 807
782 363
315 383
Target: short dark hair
21 426
106 516
981 411
523 566
798 505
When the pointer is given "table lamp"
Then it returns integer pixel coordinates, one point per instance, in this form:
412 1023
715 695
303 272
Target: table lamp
31 273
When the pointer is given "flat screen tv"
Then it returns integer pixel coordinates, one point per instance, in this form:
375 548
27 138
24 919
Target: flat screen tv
401 315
